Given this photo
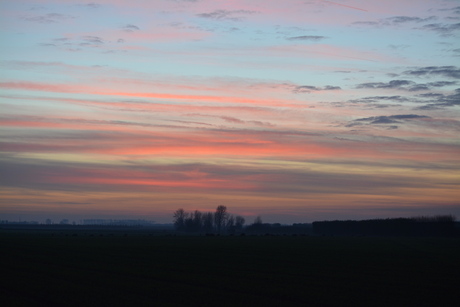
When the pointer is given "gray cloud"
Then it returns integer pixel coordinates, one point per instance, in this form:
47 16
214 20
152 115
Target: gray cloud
331 88
453 99
226 14
48 18
314 38
446 71
438 101
455 10
391 84
69 44
441 28
430 95
61 39
130 28
404 19
309 88
395 20
405 85
441 83
305 89
235 120
366 23
396 98
92 41
418 87
428 101
384 120
397 47
394 84
91 5
444 29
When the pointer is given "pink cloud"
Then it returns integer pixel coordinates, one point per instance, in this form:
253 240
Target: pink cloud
84 89
139 140
113 180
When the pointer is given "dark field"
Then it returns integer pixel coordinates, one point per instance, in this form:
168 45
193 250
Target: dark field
132 268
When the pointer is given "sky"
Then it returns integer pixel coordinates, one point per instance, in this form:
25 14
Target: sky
294 110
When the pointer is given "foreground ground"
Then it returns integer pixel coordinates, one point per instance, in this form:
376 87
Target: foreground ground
88 268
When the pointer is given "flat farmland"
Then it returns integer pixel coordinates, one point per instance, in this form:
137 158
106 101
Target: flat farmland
124 268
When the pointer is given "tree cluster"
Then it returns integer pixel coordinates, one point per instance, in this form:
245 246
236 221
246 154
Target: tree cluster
220 221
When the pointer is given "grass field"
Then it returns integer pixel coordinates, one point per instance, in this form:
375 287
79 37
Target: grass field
123 268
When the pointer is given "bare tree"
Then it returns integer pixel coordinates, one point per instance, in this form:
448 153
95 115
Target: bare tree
230 224
179 219
197 221
220 221
239 222
220 217
258 220
208 223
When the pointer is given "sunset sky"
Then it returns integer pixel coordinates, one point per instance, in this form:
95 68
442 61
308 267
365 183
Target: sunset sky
295 110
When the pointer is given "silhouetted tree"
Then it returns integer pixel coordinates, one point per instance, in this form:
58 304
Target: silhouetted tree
418 226
258 225
219 221
220 217
197 221
207 220
239 222
258 220
179 219
189 222
230 224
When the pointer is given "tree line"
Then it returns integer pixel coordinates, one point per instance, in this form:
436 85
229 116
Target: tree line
441 225
220 221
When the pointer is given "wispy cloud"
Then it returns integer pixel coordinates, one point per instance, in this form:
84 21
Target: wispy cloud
405 85
311 88
444 29
88 39
432 71
91 5
407 19
235 120
232 15
313 38
48 18
436 101
391 122
130 28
